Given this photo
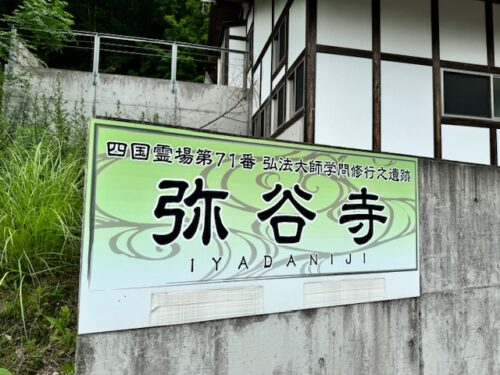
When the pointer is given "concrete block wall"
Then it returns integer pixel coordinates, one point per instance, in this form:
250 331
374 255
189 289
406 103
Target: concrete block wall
453 328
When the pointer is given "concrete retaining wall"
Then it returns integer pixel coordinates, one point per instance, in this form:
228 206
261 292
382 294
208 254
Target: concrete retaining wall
453 328
193 105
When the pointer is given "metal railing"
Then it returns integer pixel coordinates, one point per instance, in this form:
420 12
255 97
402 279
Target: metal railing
177 60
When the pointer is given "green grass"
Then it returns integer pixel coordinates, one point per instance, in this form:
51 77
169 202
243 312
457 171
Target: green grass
40 210
41 194
40 224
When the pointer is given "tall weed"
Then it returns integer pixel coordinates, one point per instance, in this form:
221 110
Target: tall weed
42 147
40 209
41 179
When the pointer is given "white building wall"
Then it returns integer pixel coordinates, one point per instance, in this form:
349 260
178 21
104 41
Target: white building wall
407 109
249 79
279 5
256 91
344 23
406 27
344 84
295 133
463 31
238 31
266 75
296 30
262 25
344 101
279 76
467 144
236 63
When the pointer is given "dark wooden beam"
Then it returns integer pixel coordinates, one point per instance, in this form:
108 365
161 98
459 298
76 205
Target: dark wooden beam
464 121
344 51
490 43
493 146
377 92
436 79
311 49
406 59
236 37
272 14
470 67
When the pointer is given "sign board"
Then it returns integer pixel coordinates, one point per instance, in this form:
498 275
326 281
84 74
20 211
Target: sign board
184 226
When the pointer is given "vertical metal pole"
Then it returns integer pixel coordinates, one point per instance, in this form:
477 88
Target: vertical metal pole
248 90
95 65
173 72
95 71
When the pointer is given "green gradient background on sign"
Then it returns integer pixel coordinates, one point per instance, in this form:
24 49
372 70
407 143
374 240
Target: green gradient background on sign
123 253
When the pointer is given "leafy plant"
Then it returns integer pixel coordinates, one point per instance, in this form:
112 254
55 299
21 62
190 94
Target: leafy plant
62 325
44 348
68 368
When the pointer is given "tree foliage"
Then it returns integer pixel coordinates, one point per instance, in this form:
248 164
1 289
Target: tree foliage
185 22
44 25
171 20
47 21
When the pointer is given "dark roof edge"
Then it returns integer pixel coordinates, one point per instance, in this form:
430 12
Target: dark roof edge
224 13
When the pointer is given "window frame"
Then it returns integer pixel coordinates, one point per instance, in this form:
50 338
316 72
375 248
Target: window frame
491 78
261 121
277 65
292 83
256 125
281 87
266 127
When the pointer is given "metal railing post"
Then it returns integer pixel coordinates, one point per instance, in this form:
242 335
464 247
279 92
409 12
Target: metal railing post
95 64
95 70
173 71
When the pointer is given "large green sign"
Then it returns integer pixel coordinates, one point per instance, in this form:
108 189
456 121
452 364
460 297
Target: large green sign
169 207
